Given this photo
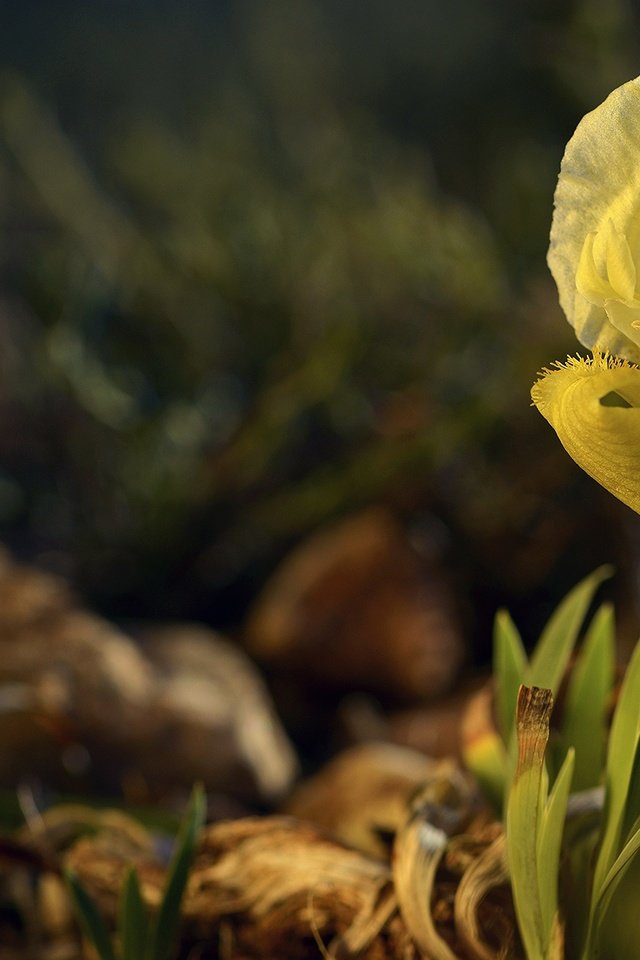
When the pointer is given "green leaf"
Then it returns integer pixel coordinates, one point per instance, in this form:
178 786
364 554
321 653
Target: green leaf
621 754
580 839
588 693
134 920
166 924
509 669
524 814
486 757
553 650
613 889
93 926
549 843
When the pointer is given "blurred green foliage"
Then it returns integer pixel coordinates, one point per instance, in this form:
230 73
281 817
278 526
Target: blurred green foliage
262 264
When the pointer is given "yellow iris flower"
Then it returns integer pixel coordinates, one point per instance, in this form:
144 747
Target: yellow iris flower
594 255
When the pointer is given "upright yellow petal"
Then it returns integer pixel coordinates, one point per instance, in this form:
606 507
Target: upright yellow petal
598 193
588 280
594 407
621 270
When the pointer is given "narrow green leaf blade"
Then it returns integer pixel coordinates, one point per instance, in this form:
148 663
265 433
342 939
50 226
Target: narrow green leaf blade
632 804
167 921
623 741
553 650
92 924
524 816
134 920
509 669
549 844
588 693
616 917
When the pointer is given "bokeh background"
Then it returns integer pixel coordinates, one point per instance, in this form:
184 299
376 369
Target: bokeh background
264 263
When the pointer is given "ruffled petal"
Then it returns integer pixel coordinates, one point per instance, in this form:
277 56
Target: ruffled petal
598 193
593 404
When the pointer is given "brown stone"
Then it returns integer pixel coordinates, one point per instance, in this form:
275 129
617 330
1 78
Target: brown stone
356 608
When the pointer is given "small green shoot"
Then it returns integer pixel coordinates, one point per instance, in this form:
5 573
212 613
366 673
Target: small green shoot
492 758
91 922
141 936
597 898
133 919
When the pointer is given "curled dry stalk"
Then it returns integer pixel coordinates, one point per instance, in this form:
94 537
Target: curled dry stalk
432 844
275 886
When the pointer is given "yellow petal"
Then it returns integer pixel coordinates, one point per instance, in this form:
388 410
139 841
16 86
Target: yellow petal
624 316
599 185
589 282
621 270
603 439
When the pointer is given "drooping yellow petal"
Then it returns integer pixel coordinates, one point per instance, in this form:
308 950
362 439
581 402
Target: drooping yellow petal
598 194
593 404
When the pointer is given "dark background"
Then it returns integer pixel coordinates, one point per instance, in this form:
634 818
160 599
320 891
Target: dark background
265 263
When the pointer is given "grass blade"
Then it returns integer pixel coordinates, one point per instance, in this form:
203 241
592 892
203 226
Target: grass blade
92 924
588 693
552 653
509 669
134 920
165 927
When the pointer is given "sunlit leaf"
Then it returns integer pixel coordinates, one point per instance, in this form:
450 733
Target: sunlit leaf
553 651
621 753
615 886
588 693
487 760
509 668
549 841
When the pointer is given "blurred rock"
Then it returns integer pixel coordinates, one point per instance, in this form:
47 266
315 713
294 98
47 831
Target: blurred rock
85 707
355 607
216 709
434 728
362 795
